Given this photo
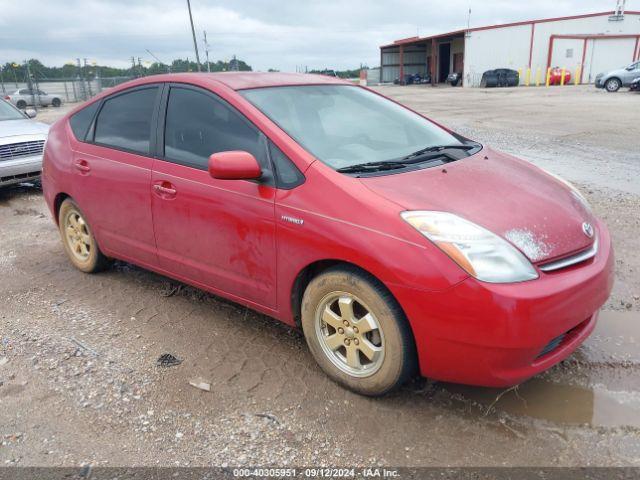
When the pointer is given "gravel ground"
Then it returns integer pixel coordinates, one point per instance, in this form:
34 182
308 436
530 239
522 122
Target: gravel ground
79 382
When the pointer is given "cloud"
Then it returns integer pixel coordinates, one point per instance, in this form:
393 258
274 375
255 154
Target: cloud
265 33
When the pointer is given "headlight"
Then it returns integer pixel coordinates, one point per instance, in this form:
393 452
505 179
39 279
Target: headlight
479 252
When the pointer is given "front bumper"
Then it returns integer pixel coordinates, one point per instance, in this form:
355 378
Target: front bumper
499 335
20 169
599 83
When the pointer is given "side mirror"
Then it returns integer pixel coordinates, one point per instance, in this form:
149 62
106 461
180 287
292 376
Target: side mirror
234 165
30 112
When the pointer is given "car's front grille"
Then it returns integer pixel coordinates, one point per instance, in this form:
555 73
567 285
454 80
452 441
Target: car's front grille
571 259
22 149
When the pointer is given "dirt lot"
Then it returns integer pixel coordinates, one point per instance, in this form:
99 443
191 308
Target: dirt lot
79 382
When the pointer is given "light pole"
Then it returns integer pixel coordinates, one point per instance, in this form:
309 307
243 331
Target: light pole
193 32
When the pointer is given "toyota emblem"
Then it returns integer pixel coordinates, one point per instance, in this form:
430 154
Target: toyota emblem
587 228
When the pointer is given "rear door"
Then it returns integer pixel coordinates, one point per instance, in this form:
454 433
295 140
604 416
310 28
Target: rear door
113 173
218 233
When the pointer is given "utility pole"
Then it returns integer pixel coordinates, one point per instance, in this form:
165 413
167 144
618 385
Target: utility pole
2 81
193 33
206 50
140 67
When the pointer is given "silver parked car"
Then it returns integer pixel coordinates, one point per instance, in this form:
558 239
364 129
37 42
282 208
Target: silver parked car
24 97
21 145
613 80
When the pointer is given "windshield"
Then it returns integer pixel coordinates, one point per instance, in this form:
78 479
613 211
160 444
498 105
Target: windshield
7 112
345 125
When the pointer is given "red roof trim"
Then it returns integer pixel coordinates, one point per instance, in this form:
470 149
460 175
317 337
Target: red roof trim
505 25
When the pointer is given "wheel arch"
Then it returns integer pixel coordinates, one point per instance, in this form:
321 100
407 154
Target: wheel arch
57 201
317 267
614 77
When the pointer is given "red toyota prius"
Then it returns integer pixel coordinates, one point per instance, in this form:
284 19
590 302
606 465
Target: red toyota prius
397 246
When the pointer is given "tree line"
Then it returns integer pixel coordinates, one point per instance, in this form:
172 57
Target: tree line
17 71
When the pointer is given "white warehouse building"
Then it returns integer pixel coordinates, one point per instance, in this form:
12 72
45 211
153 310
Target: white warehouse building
584 45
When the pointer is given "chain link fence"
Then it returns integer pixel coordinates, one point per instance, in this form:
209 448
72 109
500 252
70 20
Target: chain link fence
67 89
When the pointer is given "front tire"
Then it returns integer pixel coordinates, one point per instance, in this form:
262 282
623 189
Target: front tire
56 102
613 85
78 240
357 332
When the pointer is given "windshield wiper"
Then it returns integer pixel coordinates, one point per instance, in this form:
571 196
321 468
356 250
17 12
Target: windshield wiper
403 162
438 148
372 166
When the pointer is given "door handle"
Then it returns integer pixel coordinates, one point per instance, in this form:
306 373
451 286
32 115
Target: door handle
164 190
83 166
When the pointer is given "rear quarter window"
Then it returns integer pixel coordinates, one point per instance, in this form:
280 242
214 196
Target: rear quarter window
124 121
81 120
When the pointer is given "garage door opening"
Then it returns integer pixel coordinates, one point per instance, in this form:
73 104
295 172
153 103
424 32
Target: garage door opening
444 62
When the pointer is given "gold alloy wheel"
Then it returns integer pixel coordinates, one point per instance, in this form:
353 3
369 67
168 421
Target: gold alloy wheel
77 236
349 334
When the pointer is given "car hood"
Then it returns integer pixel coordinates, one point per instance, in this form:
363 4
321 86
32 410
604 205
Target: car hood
537 213
9 128
617 71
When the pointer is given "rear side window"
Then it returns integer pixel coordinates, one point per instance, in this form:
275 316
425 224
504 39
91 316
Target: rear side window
124 122
198 125
80 121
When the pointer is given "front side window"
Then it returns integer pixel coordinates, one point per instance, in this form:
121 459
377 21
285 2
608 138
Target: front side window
198 125
124 122
345 125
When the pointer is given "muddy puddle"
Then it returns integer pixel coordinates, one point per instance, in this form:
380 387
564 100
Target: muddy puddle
592 397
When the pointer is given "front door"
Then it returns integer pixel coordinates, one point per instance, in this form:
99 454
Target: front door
113 175
631 73
218 233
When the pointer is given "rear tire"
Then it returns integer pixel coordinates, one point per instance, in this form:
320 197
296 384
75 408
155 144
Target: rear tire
357 332
612 85
78 240
21 104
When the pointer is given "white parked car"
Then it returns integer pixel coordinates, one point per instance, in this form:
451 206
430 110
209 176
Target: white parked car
21 145
24 97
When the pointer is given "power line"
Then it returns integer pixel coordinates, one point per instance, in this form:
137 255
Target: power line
158 60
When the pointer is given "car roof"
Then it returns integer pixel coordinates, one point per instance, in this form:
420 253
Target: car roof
242 80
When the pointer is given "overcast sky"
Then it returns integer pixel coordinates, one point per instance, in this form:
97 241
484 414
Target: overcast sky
266 34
